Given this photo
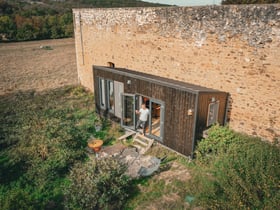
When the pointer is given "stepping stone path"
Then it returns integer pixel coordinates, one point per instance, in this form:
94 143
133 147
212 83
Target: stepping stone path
139 165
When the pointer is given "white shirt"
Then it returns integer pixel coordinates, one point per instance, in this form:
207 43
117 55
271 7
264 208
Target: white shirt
144 113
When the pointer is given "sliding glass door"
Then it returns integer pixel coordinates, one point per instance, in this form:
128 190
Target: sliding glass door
156 124
128 111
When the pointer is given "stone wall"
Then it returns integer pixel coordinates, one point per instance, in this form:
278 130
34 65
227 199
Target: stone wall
230 48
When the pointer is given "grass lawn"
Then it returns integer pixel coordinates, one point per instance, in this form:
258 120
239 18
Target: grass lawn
42 134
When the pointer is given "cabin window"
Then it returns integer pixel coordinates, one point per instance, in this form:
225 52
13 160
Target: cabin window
213 111
128 110
110 96
102 90
118 90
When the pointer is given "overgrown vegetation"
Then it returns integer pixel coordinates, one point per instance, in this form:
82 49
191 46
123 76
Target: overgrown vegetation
41 136
230 171
47 19
97 184
250 1
235 171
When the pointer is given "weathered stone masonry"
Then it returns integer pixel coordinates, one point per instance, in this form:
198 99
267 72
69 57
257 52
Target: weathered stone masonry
230 48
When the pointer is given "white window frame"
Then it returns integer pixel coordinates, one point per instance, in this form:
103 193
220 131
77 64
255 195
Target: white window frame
111 108
213 112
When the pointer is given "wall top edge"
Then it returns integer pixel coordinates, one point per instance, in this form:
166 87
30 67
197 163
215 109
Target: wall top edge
181 7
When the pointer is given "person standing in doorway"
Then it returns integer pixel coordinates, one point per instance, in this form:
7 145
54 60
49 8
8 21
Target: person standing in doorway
143 117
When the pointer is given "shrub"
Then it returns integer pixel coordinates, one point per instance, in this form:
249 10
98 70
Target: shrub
244 171
217 142
249 176
97 184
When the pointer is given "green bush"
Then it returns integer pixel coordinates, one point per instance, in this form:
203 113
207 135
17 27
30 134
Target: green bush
241 172
218 141
248 176
97 184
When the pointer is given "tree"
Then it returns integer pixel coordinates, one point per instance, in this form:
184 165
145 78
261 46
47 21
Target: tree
250 1
7 27
5 8
65 21
26 32
21 20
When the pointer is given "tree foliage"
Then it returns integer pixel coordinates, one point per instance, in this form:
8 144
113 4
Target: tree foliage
21 20
250 1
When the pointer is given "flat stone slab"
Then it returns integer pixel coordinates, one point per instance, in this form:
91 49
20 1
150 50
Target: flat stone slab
113 150
138 165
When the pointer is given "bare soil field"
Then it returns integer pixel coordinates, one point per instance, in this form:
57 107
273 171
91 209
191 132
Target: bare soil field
29 65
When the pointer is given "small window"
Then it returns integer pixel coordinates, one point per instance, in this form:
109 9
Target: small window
110 95
213 111
102 90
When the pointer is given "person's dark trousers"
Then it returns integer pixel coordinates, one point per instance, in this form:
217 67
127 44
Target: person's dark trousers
143 125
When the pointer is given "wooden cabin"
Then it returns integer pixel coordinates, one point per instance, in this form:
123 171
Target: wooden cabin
179 112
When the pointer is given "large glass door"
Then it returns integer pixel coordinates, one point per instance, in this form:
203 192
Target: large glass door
128 111
131 102
156 125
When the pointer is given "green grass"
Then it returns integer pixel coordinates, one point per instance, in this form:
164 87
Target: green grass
156 192
42 134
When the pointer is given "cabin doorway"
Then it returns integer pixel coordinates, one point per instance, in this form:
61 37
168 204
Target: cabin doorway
155 124
156 121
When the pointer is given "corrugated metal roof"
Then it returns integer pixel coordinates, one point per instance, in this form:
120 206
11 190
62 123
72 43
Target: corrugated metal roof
157 79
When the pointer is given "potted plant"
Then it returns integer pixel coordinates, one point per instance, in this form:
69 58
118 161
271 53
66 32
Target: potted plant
95 144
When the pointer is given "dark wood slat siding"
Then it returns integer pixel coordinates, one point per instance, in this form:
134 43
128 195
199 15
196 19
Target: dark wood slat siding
189 122
203 103
178 126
